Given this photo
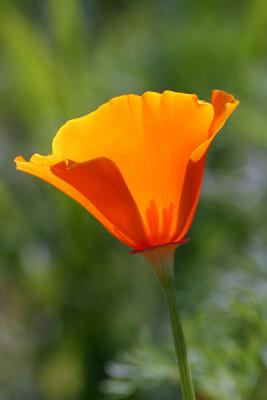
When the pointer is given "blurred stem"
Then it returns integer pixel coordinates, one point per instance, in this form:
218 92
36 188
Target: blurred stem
162 261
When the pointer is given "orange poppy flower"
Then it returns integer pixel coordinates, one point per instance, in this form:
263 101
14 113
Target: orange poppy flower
136 163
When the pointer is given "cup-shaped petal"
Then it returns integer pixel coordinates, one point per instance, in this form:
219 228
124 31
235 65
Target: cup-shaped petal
137 162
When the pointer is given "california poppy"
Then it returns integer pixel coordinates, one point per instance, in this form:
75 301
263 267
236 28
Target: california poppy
136 163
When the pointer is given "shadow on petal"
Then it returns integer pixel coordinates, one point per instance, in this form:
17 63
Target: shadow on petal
101 182
190 195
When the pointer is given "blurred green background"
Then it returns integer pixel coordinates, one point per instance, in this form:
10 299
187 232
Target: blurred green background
81 319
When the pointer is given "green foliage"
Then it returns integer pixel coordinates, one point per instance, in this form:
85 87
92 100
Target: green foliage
71 298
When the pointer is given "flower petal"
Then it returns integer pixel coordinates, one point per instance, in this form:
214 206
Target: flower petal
64 178
150 139
224 104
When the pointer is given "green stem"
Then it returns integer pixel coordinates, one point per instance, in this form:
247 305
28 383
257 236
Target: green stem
162 261
179 342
